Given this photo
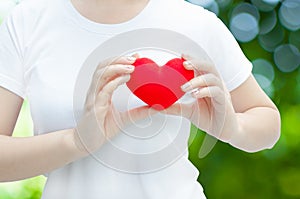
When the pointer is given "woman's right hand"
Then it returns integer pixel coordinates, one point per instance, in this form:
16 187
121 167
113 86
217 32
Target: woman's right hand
101 121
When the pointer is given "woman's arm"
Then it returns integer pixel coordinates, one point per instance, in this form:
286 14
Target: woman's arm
26 157
258 118
245 118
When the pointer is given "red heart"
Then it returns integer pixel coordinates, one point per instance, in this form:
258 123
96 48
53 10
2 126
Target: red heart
159 87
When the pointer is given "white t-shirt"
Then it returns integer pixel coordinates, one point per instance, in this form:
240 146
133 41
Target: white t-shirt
43 45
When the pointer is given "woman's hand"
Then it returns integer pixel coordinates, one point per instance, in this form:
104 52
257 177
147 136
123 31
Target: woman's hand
212 111
101 121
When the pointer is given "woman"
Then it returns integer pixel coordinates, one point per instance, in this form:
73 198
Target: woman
43 46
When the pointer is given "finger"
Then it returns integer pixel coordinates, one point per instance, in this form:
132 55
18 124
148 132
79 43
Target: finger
138 113
104 96
184 110
112 72
106 74
105 71
116 69
211 91
123 66
205 80
199 65
124 60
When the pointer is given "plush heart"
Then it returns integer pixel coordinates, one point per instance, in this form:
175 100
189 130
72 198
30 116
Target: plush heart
159 86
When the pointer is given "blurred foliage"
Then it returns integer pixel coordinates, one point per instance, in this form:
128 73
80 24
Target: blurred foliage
230 173
29 188
227 172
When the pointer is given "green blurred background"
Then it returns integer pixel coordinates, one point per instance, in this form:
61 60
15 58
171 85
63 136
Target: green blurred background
269 34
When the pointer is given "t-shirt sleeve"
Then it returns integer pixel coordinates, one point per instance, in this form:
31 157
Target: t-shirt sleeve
11 54
225 52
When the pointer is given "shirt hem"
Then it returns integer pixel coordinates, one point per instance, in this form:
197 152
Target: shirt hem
239 78
12 85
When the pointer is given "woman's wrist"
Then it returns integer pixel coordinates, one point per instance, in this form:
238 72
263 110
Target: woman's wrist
233 128
73 144
237 133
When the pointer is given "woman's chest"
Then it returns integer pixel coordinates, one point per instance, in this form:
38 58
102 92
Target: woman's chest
52 65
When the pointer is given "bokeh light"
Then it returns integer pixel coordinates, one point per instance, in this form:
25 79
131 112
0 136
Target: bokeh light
244 27
224 3
264 68
214 7
246 8
203 3
244 22
272 39
265 5
272 2
268 22
264 74
268 31
211 5
287 57
289 14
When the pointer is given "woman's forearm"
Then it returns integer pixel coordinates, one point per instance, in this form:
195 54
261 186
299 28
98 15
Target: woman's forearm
31 156
259 128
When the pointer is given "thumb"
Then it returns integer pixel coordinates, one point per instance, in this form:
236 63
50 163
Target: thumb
138 113
184 110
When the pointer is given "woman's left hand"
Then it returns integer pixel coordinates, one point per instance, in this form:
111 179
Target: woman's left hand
212 111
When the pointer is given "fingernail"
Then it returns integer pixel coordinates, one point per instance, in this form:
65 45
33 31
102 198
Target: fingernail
196 91
135 55
131 58
186 86
188 64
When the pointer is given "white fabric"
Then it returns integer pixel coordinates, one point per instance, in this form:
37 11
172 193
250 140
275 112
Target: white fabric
43 44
